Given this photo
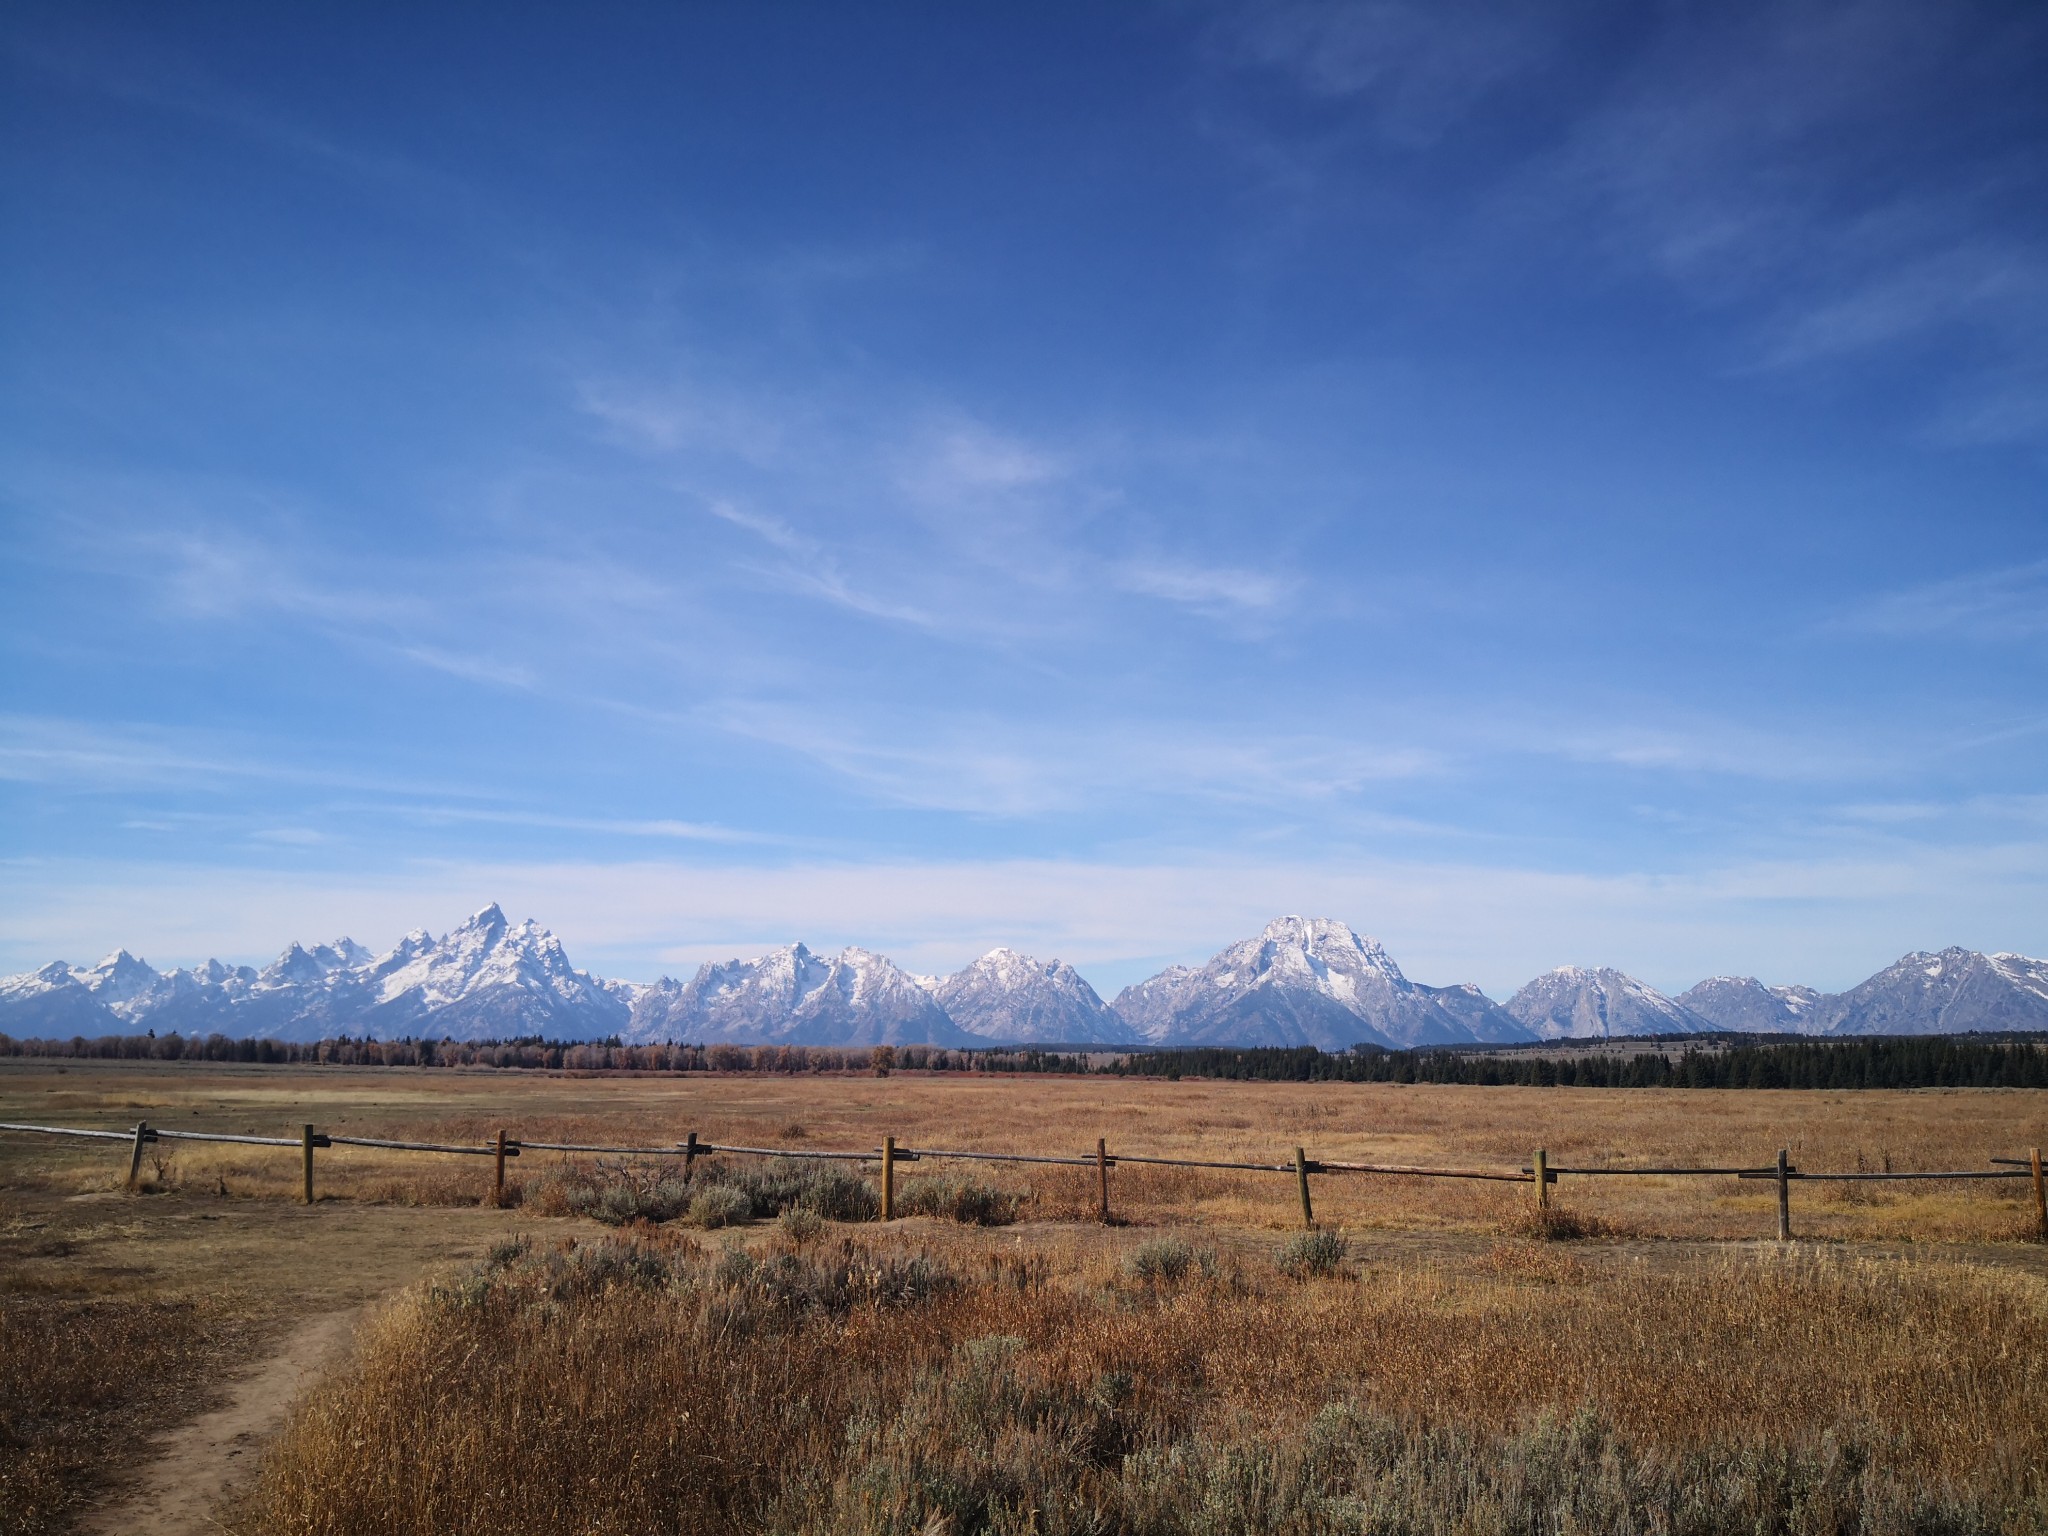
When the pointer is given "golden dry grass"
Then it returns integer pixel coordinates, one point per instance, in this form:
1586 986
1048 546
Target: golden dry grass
1445 1329
658 1386
1417 1124
77 1377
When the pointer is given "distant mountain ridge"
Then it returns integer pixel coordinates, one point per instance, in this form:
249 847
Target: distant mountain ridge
1008 996
1301 981
793 997
488 978
1308 981
1573 1003
1744 1003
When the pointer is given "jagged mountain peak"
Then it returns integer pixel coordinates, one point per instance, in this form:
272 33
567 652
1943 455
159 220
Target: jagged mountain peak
790 996
1949 991
1012 997
1579 1002
120 978
1306 981
1744 1003
1299 980
295 967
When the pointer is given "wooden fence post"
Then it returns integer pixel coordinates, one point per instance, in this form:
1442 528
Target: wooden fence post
888 1178
2040 1195
1308 1215
1542 1180
498 1189
306 1157
689 1156
142 1135
1102 1175
1784 1199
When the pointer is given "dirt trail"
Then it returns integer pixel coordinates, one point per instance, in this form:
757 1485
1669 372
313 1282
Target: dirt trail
175 1491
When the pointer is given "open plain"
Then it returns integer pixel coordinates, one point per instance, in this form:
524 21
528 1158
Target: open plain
1905 1329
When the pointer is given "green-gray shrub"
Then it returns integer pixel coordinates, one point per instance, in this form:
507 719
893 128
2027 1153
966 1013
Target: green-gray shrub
720 1206
1162 1261
800 1224
971 1201
1313 1253
833 1190
619 1202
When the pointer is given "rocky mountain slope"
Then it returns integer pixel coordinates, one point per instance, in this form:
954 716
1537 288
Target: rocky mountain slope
1948 993
486 979
1308 981
1744 1003
1303 981
793 997
1012 997
1575 1003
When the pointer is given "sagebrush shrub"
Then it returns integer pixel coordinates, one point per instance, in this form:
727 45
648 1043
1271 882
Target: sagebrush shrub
832 1190
971 1201
1163 1260
801 1225
644 1384
616 1194
720 1206
1313 1253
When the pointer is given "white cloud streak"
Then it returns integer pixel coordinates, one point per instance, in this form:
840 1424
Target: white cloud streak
1997 605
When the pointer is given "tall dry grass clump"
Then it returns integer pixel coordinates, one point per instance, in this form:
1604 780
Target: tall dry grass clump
75 1377
657 1383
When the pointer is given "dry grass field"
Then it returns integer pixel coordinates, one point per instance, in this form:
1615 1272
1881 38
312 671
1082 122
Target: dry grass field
1166 1373
1388 1123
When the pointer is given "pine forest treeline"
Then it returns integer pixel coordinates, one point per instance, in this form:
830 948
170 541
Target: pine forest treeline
1935 1061
1927 1061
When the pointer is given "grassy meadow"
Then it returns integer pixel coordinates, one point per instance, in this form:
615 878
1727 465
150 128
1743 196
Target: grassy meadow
615 1351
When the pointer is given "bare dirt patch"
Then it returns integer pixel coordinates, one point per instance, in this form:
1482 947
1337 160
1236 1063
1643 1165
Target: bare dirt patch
192 1466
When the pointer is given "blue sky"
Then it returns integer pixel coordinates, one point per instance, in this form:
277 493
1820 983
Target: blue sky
1543 484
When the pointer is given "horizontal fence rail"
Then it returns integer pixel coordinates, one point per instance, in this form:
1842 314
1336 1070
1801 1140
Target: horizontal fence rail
1542 1173
1772 1173
1717 1173
157 1133
511 1147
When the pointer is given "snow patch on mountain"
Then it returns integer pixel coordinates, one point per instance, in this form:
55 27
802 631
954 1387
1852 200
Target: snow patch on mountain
1005 996
1302 981
791 996
1952 992
1746 1004
1577 1003
1307 981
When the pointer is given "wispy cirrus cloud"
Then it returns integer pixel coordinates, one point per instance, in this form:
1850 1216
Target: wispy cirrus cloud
100 756
1207 589
984 764
660 828
1991 606
1755 158
1420 67
1757 165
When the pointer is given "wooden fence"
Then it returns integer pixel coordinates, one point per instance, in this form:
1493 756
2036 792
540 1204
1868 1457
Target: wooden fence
1539 1172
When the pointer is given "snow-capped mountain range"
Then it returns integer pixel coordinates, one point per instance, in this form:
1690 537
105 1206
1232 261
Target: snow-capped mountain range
1743 1002
1308 981
1008 996
1573 1003
488 978
793 997
1303 981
